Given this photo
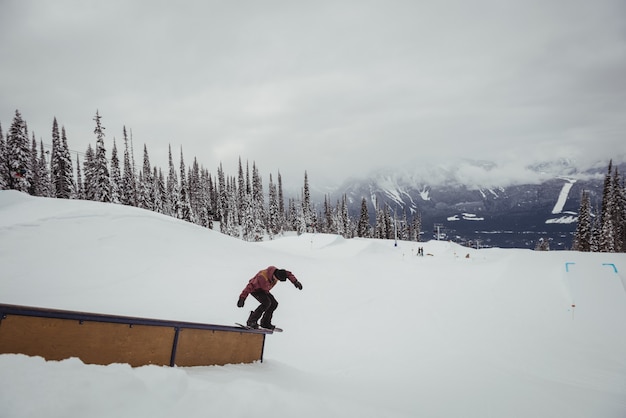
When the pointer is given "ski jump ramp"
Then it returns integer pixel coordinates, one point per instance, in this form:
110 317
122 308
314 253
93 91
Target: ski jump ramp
105 339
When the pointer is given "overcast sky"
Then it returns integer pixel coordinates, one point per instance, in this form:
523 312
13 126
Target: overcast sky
337 88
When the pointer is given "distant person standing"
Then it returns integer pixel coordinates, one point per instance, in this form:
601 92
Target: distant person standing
259 287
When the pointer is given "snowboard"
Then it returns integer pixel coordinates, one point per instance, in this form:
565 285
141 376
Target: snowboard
261 329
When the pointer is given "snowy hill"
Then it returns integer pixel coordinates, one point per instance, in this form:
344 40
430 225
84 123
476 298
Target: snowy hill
376 332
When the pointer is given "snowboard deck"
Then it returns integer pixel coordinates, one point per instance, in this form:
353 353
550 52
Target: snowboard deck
260 329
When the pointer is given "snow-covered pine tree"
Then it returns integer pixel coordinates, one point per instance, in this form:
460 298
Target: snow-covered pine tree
173 188
54 159
363 228
619 212
44 174
416 227
328 226
146 184
89 173
222 204
347 225
241 192
18 155
159 190
185 212
403 232
101 179
607 218
281 204
61 173
233 228
380 227
80 187
128 194
258 205
64 186
203 215
307 210
116 176
293 219
542 245
583 234
273 218
194 189
33 167
4 167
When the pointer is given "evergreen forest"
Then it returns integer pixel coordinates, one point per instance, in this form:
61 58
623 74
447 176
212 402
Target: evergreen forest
188 192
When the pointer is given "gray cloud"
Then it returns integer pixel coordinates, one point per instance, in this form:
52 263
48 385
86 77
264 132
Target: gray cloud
336 88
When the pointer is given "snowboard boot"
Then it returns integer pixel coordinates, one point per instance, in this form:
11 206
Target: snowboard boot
252 320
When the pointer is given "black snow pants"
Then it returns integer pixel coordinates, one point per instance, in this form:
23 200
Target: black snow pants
268 305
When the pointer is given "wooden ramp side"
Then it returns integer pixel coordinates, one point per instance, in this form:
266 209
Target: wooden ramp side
105 339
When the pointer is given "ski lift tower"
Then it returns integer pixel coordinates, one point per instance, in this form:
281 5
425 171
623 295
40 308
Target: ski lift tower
437 230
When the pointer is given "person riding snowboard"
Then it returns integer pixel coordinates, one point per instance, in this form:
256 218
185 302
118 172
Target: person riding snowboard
259 287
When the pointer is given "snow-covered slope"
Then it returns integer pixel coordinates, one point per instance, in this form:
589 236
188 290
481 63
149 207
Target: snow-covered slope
376 331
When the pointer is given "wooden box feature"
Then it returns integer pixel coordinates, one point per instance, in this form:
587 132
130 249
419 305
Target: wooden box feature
207 347
105 339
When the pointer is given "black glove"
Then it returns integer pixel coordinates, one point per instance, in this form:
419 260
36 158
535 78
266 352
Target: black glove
240 302
297 284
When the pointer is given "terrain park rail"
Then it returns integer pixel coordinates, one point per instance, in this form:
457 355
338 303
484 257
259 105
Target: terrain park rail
106 339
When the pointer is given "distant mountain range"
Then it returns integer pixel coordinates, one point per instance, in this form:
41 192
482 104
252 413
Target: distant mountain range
478 203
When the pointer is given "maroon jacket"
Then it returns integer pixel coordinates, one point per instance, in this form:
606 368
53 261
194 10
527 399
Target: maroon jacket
264 280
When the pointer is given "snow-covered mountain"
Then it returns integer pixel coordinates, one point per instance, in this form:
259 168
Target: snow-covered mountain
483 203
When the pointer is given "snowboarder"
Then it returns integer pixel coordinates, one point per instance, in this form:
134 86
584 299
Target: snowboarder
259 287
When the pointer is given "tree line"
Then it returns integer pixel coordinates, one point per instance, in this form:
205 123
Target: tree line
190 193
603 229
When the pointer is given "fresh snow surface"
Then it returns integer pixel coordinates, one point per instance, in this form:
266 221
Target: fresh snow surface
376 332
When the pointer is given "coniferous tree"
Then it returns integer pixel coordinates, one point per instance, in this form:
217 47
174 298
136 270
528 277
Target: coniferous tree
363 229
293 219
185 212
64 180
159 190
619 211
307 210
328 224
222 204
101 179
258 205
4 166
89 174
347 229
281 204
583 234
146 183
61 173
607 214
173 188
273 219
231 203
80 187
128 194
542 245
54 159
242 191
33 167
116 176
44 174
194 189
18 155
416 227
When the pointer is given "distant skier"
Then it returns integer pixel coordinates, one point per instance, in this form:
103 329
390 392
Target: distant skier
259 287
